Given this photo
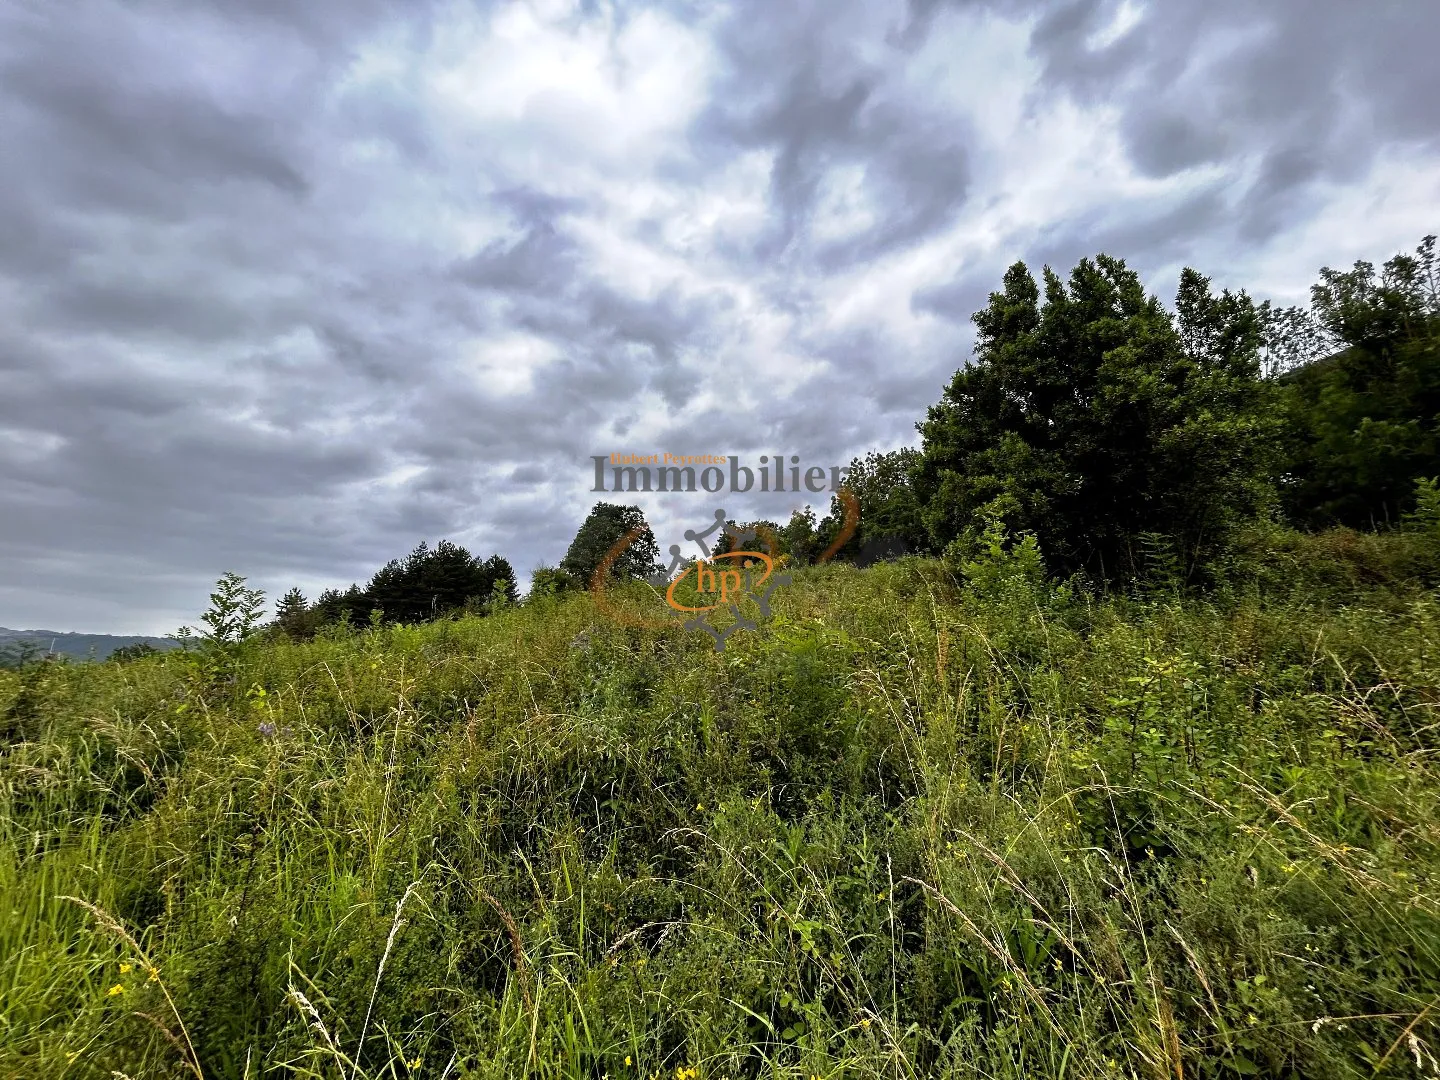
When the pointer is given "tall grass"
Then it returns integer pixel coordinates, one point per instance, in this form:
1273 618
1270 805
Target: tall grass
904 830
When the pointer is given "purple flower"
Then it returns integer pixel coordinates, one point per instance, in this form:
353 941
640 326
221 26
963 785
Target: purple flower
267 729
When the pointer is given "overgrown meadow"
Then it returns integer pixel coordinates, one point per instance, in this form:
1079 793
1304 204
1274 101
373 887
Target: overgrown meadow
910 828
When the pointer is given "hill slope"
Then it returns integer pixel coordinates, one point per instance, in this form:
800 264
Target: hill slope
902 830
78 646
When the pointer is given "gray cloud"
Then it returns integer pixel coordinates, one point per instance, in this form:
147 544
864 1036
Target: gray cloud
286 288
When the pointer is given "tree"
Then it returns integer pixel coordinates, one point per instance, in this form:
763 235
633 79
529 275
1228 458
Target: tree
768 538
890 511
234 612
799 538
550 580
1094 417
428 583
501 576
1365 421
293 616
606 525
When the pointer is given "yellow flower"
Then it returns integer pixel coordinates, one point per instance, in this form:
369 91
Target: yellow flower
416 1063
125 969
154 974
640 962
627 1059
865 1023
114 990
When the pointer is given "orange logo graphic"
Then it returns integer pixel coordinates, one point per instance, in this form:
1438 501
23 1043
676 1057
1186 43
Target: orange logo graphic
743 575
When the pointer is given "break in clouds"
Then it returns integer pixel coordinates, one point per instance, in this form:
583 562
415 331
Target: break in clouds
287 288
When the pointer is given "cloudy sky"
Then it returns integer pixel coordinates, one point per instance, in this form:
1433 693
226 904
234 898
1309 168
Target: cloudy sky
286 287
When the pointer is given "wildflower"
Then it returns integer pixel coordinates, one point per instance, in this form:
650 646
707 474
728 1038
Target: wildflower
699 806
154 975
416 1063
865 1023
266 729
115 990
627 1059
641 962
125 969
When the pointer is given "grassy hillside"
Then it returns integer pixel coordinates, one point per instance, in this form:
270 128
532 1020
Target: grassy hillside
905 830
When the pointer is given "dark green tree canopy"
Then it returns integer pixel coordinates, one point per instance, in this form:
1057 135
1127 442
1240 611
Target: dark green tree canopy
1092 416
884 485
605 526
427 583
293 615
433 581
1364 420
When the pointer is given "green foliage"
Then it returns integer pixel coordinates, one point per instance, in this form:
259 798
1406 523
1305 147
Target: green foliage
126 654
768 538
890 508
1094 416
606 525
551 581
938 818
431 582
427 584
990 563
234 612
1425 516
908 829
1364 420
800 538
294 616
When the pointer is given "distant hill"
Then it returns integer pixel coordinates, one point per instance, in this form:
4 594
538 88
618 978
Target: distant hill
78 646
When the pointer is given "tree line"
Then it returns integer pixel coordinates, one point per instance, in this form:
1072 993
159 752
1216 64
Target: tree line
1105 426
1092 420
427 584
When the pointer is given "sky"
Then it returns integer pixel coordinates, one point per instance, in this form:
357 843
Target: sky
286 288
